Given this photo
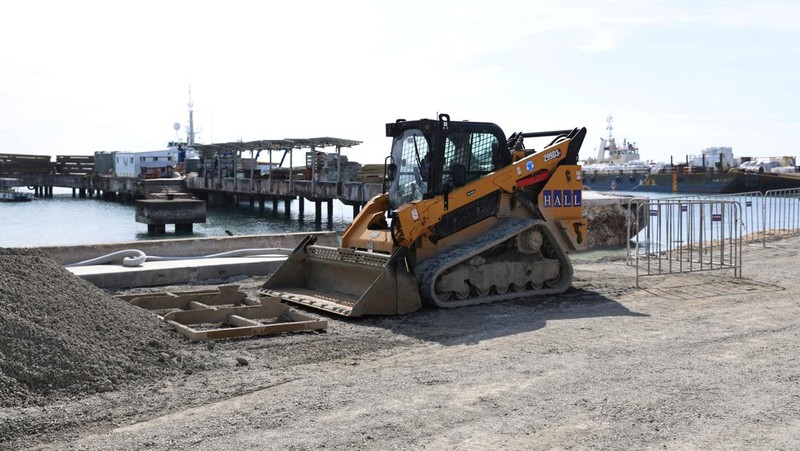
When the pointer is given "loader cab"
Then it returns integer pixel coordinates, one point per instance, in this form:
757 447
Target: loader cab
435 156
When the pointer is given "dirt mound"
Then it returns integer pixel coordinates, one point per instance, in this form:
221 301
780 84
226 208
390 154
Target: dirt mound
62 336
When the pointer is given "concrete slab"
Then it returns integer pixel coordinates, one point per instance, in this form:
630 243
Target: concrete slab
176 271
188 247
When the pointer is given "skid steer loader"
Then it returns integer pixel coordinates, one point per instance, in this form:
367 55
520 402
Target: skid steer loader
467 216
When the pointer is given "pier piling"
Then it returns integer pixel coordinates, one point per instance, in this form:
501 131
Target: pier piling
156 213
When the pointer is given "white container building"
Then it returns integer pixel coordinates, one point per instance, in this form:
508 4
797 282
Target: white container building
159 163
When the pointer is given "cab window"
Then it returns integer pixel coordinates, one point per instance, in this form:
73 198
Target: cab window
410 154
473 150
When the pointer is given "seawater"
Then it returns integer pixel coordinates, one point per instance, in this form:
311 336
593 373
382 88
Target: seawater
64 220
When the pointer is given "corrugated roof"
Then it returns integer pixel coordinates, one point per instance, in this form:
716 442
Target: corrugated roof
276 144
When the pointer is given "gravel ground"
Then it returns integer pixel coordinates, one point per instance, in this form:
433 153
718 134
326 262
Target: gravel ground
699 360
63 337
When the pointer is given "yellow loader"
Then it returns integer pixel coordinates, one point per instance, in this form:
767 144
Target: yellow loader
468 216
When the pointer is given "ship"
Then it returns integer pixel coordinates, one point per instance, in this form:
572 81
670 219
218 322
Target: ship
713 171
14 195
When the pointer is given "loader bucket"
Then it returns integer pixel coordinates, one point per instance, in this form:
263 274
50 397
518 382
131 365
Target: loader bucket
347 282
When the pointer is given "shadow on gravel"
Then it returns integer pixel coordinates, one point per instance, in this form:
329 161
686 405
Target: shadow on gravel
482 322
758 251
672 289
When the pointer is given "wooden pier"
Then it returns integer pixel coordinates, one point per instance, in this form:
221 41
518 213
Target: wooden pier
41 175
224 178
261 191
224 174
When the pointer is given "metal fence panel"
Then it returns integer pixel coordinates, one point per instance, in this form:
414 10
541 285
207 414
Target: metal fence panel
781 216
688 235
752 208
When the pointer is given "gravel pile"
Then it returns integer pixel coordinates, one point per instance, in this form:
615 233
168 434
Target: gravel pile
607 226
60 336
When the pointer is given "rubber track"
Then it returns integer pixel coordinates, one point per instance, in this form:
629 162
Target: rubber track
429 270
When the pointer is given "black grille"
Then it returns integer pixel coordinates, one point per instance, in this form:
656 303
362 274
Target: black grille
467 215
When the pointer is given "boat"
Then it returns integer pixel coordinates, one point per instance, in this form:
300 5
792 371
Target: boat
14 195
713 171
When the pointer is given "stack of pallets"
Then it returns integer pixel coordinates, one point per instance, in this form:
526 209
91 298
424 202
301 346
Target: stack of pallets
75 164
370 173
224 312
25 164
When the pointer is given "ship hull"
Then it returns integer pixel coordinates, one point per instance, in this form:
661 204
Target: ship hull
764 182
690 183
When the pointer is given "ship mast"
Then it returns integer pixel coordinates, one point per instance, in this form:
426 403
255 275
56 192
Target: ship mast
190 137
607 143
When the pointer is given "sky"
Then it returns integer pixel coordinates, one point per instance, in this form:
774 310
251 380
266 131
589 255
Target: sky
676 76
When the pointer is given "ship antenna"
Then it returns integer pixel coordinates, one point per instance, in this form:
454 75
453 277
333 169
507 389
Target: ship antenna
609 127
190 137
